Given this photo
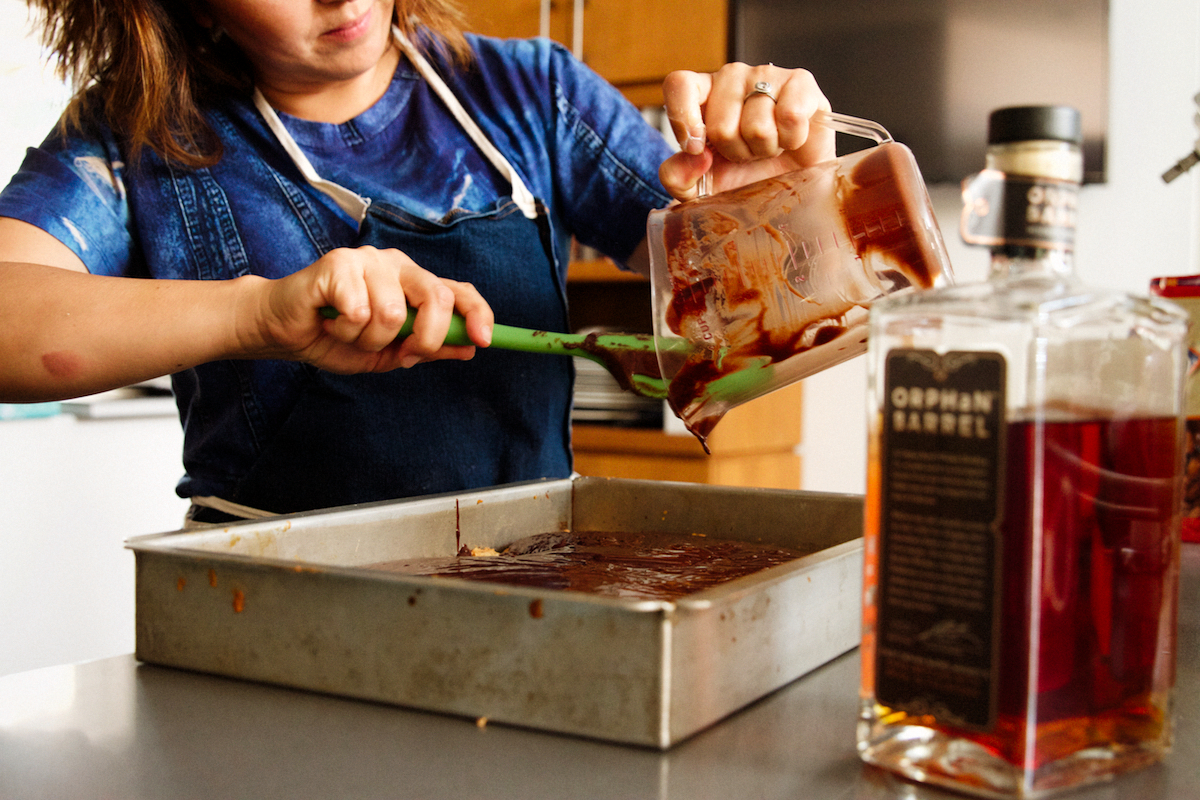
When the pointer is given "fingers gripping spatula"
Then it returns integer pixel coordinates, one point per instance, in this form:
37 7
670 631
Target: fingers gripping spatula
628 357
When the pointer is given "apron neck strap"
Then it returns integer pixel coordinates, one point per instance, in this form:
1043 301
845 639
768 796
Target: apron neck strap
520 193
348 201
356 206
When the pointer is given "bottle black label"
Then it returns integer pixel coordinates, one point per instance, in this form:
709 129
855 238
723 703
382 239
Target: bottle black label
942 454
1000 209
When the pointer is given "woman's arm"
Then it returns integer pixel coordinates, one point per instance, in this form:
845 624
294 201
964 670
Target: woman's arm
68 333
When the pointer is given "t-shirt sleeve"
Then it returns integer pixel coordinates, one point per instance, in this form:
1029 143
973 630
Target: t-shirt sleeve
585 147
608 160
72 187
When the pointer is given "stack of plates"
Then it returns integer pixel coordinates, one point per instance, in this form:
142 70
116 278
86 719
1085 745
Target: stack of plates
599 399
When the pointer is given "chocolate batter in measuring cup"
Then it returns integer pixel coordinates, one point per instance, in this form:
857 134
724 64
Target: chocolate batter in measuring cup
764 285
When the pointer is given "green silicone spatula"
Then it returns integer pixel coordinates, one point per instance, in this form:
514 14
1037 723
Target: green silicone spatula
629 357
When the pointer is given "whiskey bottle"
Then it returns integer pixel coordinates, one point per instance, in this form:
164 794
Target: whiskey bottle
1023 501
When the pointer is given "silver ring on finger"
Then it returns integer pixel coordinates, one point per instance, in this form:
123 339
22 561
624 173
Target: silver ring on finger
763 88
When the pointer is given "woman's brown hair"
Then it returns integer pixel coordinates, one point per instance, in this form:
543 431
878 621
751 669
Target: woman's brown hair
148 69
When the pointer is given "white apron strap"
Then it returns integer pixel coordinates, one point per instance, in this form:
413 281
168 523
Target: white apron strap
355 205
520 193
229 507
348 201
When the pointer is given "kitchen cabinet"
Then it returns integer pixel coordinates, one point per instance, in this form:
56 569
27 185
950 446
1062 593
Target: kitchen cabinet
756 444
631 43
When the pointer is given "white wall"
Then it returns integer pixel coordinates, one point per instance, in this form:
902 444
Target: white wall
1132 228
33 97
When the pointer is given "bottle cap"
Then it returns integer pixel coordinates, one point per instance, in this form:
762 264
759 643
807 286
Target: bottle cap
1035 123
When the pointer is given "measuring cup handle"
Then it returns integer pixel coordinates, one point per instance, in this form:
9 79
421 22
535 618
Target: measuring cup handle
843 123
854 126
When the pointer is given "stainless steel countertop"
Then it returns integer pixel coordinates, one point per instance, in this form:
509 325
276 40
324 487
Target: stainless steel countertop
118 729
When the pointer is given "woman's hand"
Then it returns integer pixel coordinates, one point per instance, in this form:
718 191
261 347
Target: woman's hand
742 133
373 291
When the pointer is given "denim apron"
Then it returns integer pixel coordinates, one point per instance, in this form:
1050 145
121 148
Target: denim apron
441 426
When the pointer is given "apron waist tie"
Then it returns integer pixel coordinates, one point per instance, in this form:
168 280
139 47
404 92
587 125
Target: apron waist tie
208 510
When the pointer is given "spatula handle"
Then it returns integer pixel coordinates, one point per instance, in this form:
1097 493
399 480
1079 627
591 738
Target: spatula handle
504 337
456 335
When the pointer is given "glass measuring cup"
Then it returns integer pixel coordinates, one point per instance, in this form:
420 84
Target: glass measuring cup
761 286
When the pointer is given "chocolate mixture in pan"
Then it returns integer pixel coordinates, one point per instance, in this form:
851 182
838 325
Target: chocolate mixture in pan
646 566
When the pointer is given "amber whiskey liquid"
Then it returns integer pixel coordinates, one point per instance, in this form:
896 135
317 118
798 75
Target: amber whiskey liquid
1091 508
1097 504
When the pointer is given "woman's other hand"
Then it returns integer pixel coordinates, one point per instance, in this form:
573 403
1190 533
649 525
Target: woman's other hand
743 123
373 291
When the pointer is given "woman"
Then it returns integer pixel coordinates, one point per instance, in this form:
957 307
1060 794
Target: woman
265 159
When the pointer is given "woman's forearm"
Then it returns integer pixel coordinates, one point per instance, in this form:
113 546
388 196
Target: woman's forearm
68 334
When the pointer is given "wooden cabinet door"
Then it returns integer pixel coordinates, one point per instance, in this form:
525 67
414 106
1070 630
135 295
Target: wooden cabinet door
519 19
628 42
640 41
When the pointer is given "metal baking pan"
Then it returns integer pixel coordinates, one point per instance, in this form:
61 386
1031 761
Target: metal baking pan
289 601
